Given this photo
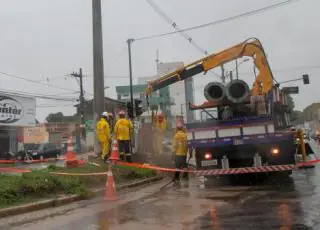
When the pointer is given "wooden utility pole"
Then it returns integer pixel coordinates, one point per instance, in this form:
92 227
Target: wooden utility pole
223 77
82 102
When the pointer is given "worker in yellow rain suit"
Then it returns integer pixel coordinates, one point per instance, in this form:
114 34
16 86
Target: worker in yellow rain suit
103 135
180 150
111 121
122 130
160 127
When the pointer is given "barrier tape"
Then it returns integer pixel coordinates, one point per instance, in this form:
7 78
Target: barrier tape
79 174
207 172
31 161
311 162
14 170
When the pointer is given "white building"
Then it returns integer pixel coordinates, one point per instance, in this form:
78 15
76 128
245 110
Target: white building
15 112
177 91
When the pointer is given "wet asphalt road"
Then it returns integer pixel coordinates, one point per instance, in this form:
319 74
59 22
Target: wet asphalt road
283 203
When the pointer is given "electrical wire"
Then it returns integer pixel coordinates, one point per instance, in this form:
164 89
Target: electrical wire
275 71
40 96
37 82
205 76
288 69
175 26
238 16
53 106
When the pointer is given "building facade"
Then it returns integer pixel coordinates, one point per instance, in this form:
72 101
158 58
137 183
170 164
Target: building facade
157 100
15 112
173 100
309 119
182 92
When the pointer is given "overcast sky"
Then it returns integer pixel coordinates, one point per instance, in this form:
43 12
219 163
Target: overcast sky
46 39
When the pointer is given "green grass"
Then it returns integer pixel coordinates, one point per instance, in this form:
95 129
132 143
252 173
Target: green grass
40 184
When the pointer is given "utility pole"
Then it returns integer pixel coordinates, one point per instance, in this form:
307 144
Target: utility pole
98 72
82 101
129 41
231 75
157 60
223 77
181 108
237 71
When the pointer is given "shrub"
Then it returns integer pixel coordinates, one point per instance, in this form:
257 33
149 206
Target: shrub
37 184
41 184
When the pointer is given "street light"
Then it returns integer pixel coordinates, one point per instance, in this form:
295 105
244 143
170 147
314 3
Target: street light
237 65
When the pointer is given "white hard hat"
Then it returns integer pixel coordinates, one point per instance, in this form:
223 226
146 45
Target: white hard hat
122 112
104 114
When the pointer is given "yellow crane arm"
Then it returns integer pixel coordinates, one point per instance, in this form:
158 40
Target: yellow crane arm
251 47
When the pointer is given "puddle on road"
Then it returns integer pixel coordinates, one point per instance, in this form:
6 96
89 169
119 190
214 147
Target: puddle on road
286 204
290 204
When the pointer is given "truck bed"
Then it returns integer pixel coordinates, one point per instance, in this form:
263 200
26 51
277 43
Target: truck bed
239 140
234 132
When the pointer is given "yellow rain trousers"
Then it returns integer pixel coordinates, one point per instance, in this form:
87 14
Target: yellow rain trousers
122 131
103 135
158 136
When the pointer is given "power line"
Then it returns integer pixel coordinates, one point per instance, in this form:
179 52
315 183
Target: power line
288 69
52 106
40 96
177 28
37 82
274 71
238 16
205 76
157 9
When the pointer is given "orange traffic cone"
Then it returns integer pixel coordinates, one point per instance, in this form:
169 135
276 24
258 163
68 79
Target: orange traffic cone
110 193
70 155
114 156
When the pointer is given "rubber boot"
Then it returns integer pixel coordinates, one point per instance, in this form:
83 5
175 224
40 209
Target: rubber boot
128 158
176 177
185 176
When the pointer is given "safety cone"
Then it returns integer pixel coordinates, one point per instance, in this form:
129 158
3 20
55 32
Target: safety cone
114 156
110 193
70 155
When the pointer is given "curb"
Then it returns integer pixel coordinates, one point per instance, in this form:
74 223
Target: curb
68 199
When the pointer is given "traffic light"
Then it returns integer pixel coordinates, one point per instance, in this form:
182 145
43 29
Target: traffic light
129 109
138 107
305 78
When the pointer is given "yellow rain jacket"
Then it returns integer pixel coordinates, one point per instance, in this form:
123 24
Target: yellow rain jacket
122 129
180 143
103 130
162 125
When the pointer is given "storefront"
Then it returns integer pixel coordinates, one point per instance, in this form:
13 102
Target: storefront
15 112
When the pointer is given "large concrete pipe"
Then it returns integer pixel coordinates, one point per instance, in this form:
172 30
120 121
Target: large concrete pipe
237 91
214 91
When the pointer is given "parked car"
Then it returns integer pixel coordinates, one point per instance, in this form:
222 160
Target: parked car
35 151
7 156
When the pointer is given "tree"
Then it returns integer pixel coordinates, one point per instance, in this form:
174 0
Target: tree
291 104
294 114
59 117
